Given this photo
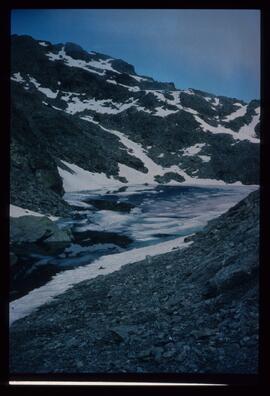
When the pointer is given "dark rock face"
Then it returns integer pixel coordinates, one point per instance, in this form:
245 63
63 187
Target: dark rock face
169 176
102 204
123 67
36 229
76 52
190 311
32 237
46 86
86 238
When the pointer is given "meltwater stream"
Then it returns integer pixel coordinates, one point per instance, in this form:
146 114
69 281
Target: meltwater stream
113 228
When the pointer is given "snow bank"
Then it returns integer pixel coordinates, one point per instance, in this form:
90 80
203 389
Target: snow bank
79 179
16 211
66 279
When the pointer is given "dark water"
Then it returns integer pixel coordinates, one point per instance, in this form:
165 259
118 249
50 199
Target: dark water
111 222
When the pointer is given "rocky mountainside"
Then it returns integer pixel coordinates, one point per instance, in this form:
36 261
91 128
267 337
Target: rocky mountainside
189 311
78 114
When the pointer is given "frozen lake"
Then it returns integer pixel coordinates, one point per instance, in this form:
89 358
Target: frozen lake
113 228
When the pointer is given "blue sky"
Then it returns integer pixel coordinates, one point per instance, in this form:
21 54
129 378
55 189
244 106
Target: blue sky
213 50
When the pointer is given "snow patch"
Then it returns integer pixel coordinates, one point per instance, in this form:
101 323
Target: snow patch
161 112
138 78
102 64
161 97
46 91
69 61
102 106
193 150
188 110
188 91
43 44
79 179
17 77
205 158
133 176
89 118
90 66
245 133
65 280
17 211
57 108
131 89
238 113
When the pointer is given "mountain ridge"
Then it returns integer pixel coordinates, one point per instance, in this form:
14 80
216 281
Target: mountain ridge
94 112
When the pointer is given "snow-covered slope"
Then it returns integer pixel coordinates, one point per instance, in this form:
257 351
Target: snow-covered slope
85 120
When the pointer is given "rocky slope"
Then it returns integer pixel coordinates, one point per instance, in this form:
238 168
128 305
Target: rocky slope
95 112
192 310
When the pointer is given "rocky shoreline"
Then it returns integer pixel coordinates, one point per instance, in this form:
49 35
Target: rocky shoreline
189 311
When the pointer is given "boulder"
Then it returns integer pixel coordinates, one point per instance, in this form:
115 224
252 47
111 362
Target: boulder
168 176
102 204
125 331
13 258
232 276
36 229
